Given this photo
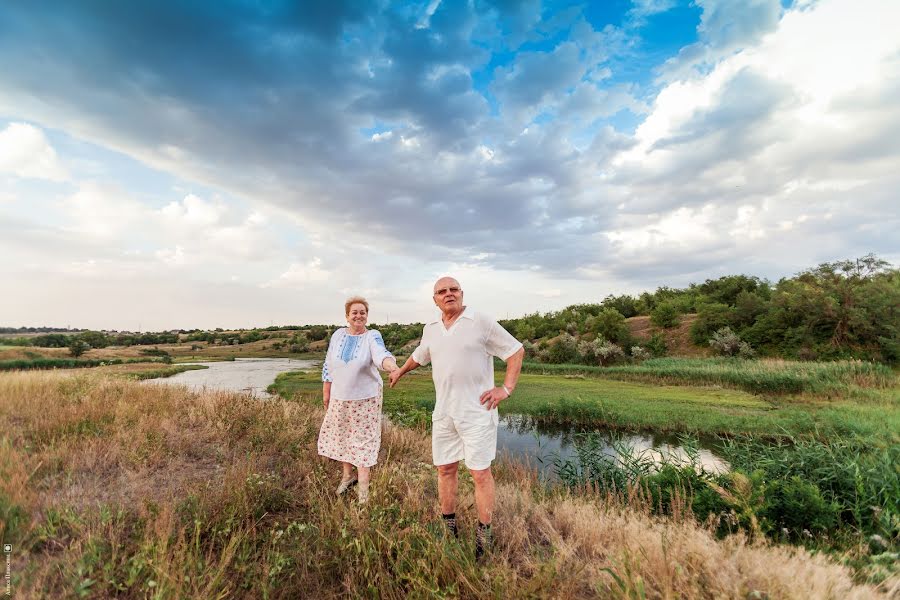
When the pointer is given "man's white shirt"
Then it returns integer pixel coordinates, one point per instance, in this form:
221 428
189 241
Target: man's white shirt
462 363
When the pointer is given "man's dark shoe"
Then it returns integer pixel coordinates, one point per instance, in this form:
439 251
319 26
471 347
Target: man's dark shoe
484 539
450 523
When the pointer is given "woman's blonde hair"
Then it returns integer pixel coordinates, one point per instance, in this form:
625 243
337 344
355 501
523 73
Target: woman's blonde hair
354 300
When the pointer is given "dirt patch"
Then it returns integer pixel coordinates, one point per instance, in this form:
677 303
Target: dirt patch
678 339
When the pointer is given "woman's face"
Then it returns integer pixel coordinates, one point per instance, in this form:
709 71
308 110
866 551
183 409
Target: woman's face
358 316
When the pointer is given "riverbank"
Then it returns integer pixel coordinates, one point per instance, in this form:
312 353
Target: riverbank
110 487
630 405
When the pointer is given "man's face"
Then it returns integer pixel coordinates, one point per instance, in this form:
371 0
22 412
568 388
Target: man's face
448 295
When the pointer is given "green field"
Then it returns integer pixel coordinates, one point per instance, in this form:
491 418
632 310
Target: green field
634 405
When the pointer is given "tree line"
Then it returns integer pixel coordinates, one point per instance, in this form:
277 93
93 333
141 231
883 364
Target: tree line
841 309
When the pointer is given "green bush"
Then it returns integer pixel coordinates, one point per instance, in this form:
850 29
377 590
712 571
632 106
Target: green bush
794 506
860 478
673 482
710 318
78 347
656 345
610 324
666 315
563 349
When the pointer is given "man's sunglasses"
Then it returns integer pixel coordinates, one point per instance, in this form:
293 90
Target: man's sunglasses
443 291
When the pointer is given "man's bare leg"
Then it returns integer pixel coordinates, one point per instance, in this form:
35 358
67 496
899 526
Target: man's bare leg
484 502
484 494
448 484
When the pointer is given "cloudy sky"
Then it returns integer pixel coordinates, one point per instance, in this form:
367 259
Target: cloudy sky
234 164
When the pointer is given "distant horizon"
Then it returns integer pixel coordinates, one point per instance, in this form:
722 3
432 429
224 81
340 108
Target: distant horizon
271 159
504 316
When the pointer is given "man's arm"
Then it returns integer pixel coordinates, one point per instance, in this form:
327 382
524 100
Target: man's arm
408 366
492 398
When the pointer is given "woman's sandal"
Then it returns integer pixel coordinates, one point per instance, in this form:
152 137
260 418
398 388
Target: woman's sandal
345 485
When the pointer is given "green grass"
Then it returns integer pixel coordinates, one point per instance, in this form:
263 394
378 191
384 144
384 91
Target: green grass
755 376
163 372
66 363
632 405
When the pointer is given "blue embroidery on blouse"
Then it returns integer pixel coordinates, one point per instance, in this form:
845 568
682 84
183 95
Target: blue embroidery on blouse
379 340
349 347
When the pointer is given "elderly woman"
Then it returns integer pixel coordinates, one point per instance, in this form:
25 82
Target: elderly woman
352 392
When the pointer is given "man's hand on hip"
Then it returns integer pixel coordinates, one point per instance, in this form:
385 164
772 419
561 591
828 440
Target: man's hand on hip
492 398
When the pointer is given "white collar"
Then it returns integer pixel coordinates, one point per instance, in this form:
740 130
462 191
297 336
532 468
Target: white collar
467 313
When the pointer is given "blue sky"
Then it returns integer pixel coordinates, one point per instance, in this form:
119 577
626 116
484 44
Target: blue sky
236 164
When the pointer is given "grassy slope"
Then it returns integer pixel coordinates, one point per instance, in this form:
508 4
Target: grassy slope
108 487
631 405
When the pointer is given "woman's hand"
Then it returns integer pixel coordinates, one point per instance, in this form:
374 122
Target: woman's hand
325 401
395 376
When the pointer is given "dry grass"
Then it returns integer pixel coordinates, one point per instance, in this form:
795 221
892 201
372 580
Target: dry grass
108 487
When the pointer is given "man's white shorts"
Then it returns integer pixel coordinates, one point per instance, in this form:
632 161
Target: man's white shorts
453 440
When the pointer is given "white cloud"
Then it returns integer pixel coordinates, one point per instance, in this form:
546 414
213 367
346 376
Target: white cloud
103 211
300 275
774 140
26 152
193 212
172 256
725 26
641 9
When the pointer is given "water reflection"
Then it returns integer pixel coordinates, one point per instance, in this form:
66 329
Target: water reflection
249 375
540 443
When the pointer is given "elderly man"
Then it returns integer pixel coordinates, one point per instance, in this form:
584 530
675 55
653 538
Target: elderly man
460 345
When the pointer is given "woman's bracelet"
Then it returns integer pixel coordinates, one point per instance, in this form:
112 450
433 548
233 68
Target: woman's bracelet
506 389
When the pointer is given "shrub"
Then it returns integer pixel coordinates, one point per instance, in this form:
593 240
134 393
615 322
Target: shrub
563 349
710 318
78 347
525 332
586 353
610 324
299 343
666 315
728 343
153 352
672 482
796 505
625 304
638 353
657 345
607 352
316 333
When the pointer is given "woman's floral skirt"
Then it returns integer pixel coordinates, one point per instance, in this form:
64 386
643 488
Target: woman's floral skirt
351 431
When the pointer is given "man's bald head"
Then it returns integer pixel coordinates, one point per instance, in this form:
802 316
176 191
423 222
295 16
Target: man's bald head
448 295
445 282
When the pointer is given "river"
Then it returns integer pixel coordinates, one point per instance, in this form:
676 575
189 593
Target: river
537 443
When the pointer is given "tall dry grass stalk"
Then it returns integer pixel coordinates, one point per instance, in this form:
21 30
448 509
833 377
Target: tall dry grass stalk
112 488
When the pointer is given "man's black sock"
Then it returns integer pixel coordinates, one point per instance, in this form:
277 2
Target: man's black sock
450 522
483 540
